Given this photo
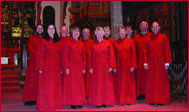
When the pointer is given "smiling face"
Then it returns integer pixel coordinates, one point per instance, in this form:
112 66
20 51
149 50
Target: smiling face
75 33
129 32
155 27
144 27
99 32
64 31
107 32
122 33
86 33
51 30
39 29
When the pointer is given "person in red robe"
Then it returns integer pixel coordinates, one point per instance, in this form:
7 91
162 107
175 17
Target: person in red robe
31 79
64 33
107 36
157 59
87 42
48 65
125 87
64 38
101 61
140 42
74 64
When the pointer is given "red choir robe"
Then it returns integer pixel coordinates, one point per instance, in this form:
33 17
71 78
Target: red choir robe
49 82
74 59
62 44
113 41
87 44
101 58
65 38
140 42
31 80
125 87
157 53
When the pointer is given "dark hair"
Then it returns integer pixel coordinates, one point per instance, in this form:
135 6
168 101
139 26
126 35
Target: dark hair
73 29
47 37
38 25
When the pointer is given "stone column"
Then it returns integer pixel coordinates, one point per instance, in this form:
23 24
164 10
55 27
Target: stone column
116 17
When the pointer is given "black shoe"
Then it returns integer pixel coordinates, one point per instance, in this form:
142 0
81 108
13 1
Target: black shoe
79 106
98 106
141 97
103 106
151 103
33 102
128 104
30 103
160 104
73 106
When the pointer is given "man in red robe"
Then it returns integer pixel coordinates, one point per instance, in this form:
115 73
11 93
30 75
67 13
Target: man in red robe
157 60
31 80
87 42
101 61
74 64
107 36
64 33
140 42
64 38
125 89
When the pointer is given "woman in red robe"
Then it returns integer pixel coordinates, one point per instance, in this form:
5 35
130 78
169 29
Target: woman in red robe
101 62
157 60
48 65
74 64
140 42
31 81
125 87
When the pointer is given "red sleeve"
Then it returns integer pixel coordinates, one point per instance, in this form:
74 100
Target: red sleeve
145 50
84 58
31 50
40 56
133 53
168 58
61 55
112 60
66 54
89 58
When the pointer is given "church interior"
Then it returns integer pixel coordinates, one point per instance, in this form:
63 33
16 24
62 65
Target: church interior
19 18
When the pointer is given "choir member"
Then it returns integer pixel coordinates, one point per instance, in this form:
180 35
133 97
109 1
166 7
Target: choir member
74 64
140 42
64 38
107 36
49 84
31 80
64 33
101 61
87 42
125 88
157 60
